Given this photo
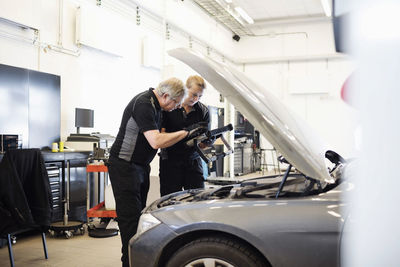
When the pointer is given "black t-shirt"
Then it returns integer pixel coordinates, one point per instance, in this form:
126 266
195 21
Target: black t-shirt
177 120
142 114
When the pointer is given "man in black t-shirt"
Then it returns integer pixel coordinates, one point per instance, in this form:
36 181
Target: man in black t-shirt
135 146
181 166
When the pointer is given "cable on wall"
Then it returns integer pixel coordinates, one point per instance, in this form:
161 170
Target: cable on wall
170 26
35 39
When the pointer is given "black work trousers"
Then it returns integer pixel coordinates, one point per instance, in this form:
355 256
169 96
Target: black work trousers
179 172
130 184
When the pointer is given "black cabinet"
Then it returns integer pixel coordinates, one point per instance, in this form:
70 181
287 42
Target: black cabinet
30 106
243 159
76 169
54 171
63 167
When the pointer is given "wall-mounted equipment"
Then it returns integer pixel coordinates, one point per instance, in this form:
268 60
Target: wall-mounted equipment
236 37
152 55
94 31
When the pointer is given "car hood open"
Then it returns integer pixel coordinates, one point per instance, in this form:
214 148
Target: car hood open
288 133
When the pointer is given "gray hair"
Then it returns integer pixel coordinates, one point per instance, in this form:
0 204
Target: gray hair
172 86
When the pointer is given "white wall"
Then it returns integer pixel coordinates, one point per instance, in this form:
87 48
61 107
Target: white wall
309 87
91 78
289 40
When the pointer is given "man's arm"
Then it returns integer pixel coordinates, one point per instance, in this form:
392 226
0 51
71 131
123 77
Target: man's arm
206 118
162 140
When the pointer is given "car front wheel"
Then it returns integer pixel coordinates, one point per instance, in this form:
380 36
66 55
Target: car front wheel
215 252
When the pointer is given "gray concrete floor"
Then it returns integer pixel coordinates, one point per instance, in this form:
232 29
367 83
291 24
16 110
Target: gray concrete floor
74 252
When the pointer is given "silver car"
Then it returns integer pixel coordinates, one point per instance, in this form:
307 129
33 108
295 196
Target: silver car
293 219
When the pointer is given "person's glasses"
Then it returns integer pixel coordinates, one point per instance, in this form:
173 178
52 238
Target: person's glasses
176 103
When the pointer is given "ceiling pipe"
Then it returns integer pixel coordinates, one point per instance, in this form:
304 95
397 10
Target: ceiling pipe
268 60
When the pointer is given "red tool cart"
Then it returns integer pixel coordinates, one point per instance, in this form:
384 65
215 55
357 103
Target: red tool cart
98 211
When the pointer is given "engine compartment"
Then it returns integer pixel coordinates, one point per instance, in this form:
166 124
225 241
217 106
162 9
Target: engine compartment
294 185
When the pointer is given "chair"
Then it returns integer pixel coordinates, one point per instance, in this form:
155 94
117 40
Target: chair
25 196
9 245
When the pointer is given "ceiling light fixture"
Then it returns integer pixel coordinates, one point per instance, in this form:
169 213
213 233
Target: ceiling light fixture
244 15
327 7
228 1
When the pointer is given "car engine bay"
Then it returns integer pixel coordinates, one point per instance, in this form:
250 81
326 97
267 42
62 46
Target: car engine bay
288 185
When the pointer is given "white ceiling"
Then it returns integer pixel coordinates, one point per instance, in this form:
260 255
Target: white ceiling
271 10
265 13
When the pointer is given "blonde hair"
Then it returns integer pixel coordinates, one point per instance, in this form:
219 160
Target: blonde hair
195 80
172 86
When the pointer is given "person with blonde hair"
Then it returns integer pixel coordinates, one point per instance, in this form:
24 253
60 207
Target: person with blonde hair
181 166
135 146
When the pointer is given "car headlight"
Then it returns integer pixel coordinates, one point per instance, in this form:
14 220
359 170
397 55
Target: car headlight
146 222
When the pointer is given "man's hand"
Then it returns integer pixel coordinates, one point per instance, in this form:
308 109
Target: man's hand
196 129
209 141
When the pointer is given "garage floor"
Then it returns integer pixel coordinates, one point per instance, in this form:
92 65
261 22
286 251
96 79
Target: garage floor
73 252
76 251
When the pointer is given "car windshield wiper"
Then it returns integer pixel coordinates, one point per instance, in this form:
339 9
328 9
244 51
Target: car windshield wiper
247 189
177 197
262 177
220 192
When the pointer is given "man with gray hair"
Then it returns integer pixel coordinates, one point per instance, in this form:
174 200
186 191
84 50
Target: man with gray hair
135 146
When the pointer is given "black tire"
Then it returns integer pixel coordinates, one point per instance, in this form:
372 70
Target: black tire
222 252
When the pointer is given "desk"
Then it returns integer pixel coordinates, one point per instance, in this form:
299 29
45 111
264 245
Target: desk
59 165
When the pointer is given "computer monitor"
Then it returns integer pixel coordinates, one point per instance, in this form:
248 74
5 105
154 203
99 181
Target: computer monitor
83 118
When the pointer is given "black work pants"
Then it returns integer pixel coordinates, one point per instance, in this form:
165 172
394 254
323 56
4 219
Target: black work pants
130 184
180 172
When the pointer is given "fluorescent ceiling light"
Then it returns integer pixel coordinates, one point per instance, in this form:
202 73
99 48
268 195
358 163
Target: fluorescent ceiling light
244 15
228 1
327 7
236 16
